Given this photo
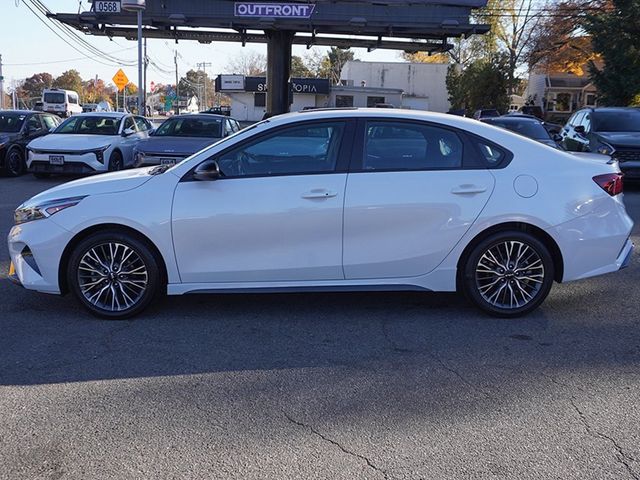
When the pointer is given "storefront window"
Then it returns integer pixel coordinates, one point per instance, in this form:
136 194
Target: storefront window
344 101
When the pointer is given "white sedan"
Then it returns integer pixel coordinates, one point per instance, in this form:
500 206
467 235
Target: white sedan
364 199
88 143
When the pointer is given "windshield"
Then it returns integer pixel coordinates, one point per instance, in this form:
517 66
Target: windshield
11 122
618 121
54 97
89 125
190 127
526 128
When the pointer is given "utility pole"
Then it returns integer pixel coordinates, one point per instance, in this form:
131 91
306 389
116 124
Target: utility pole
175 61
1 86
204 66
144 80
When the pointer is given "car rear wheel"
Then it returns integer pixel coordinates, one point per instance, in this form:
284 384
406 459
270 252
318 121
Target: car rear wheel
114 275
115 162
14 163
508 274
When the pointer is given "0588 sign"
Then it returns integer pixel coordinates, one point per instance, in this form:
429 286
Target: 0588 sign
104 6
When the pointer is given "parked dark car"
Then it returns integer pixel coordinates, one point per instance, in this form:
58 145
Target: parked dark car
181 136
552 128
613 131
17 129
219 110
527 126
533 110
485 113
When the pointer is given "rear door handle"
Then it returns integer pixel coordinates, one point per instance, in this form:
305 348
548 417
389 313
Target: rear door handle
319 193
468 189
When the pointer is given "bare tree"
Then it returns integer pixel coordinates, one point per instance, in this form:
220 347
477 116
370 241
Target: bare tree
249 63
518 20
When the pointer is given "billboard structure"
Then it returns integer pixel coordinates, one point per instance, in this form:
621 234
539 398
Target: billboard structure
408 25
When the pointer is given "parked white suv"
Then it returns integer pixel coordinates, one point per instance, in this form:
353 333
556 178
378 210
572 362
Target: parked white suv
88 143
61 102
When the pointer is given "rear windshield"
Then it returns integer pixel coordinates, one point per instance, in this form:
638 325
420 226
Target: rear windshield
89 125
528 129
620 121
190 127
54 97
11 122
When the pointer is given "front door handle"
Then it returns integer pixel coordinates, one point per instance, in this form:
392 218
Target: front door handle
468 189
319 193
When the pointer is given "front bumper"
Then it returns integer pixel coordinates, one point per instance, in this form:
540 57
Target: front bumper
73 163
631 169
35 249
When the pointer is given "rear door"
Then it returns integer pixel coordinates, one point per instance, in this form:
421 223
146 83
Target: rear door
412 193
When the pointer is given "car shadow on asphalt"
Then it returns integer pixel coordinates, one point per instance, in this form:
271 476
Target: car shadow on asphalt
48 339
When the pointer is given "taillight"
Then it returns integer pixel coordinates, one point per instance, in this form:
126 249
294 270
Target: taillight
610 183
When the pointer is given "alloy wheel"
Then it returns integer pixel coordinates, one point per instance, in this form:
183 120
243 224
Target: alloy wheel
112 276
510 274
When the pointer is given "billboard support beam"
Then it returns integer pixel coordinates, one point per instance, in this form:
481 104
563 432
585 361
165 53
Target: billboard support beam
278 70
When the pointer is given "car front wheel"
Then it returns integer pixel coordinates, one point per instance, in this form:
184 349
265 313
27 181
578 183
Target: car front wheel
115 162
508 274
14 163
113 274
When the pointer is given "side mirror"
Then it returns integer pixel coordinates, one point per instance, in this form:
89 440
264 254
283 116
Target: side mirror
557 137
151 131
128 131
207 171
579 129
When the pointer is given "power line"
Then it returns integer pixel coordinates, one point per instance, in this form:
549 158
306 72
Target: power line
61 61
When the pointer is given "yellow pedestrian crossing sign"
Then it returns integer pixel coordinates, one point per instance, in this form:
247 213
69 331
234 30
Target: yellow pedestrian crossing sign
120 79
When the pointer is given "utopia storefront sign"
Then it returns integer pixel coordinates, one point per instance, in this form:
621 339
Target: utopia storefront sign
287 10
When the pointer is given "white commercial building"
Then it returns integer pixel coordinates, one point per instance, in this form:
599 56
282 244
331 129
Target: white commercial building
423 84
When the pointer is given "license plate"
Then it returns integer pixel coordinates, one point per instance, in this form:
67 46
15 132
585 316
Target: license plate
56 159
167 161
102 6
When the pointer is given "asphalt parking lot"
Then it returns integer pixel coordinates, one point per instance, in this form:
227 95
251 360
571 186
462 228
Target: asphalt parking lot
326 386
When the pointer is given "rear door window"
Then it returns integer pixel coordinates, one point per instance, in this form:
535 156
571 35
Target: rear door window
392 145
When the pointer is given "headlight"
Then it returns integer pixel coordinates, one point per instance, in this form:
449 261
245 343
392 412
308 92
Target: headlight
139 157
25 214
606 149
100 153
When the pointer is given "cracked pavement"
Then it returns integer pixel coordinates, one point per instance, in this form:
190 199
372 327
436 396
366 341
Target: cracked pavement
391 386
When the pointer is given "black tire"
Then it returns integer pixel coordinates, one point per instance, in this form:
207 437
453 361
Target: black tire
125 293
41 175
520 278
14 164
116 162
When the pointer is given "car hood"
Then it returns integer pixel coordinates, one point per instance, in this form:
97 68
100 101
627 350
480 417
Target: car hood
174 145
621 139
95 185
71 141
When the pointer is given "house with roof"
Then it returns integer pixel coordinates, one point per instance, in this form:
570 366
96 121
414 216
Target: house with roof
560 93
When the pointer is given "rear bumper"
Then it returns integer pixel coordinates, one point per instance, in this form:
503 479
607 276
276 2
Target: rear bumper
625 254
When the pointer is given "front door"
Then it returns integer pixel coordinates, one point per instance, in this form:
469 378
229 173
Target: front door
409 199
274 215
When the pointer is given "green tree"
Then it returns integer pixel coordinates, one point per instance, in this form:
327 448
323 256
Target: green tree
483 84
194 83
299 68
616 38
69 80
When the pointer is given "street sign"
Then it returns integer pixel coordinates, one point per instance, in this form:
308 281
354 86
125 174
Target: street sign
120 79
103 6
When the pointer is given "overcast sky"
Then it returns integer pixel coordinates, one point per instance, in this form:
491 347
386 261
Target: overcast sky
27 46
